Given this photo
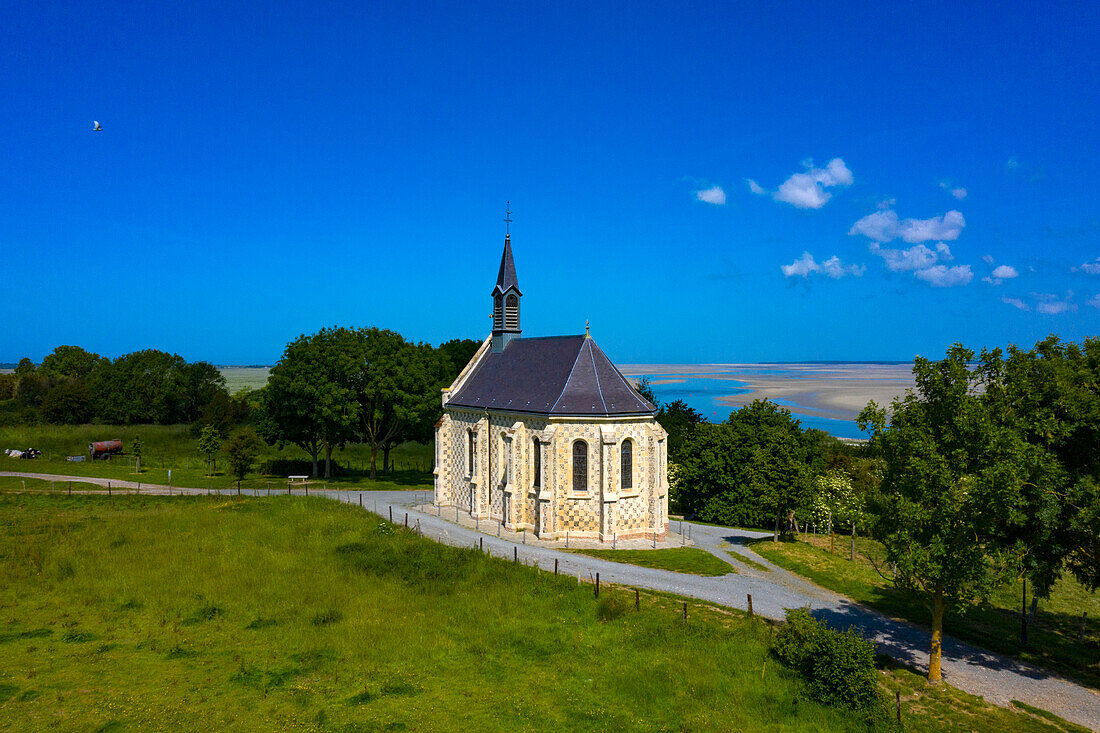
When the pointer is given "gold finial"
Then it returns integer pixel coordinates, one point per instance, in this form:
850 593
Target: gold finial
586 334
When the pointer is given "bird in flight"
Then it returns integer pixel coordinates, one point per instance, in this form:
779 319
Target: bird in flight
97 128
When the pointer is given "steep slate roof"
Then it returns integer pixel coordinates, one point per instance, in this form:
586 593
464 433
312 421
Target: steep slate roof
506 278
555 375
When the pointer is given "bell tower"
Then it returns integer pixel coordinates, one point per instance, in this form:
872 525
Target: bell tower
506 294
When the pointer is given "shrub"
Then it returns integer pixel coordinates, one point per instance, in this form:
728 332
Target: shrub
839 665
610 607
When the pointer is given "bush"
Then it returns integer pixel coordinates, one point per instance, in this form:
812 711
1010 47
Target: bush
839 665
294 467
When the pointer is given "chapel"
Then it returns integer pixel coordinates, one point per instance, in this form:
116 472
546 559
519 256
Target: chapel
545 434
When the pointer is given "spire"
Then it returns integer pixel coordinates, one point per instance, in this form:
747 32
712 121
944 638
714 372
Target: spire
506 294
506 277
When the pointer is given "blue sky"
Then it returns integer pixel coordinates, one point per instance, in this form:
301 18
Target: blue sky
268 169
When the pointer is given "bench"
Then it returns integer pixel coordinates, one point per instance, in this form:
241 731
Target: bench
297 479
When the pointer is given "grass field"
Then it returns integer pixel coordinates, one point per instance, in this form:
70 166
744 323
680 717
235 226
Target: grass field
212 613
238 378
172 447
1053 641
677 559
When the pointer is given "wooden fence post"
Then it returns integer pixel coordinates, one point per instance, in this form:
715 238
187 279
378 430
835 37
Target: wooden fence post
685 611
750 605
897 704
515 554
555 566
597 585
637 600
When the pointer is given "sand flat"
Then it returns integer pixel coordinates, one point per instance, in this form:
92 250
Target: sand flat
837 391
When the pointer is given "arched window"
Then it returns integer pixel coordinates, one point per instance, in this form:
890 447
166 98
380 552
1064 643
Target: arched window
626 464
511 312
537 455
498 318
471 462
580 466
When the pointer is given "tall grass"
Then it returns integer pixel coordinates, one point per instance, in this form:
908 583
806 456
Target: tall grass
199 613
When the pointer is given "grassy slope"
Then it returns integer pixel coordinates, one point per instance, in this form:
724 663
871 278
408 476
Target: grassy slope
216 613
677 559
995 625
172 447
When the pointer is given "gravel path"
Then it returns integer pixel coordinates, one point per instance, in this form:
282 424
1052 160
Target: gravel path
996 678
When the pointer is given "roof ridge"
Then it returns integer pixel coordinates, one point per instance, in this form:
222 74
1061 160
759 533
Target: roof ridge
637 395
565 386
596 373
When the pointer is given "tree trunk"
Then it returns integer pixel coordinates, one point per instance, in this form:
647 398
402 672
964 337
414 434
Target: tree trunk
373 456
328 461
853 556
775 537
934 675
313 455
386 466
1023 613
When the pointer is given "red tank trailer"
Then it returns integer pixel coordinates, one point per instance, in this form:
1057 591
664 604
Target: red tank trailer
105 449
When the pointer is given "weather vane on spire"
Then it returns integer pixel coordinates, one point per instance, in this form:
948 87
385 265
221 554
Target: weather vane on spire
507 218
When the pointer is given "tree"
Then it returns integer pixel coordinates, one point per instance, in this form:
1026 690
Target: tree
1050 396
241 450
142 387
210 442
68 402
679 421
135 449
398 391
752 470
458 352
834 499
951 481
70 361
311 394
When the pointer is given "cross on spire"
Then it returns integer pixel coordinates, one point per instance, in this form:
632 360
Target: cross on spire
507 218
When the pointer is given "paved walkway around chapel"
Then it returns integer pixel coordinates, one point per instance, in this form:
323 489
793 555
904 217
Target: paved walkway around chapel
996 678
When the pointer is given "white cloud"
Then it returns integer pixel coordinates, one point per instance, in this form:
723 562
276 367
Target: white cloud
1012 163
1089 268
884 226
1052 305
1000 274
833 267
807 190
916 257
1094 301
887 204
712 195
1016 303
957 191
942 276
944 252
987 259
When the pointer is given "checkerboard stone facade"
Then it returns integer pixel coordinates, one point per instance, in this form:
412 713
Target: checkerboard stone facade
500 482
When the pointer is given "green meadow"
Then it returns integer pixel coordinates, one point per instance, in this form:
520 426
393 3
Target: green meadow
211 613
173 447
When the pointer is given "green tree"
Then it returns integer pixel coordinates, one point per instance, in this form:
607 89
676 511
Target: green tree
399 391
70 361
68 402
311 394
1050 396
458 353
136 447
952 479
752 470
679 421
142 387
241 450
210 442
